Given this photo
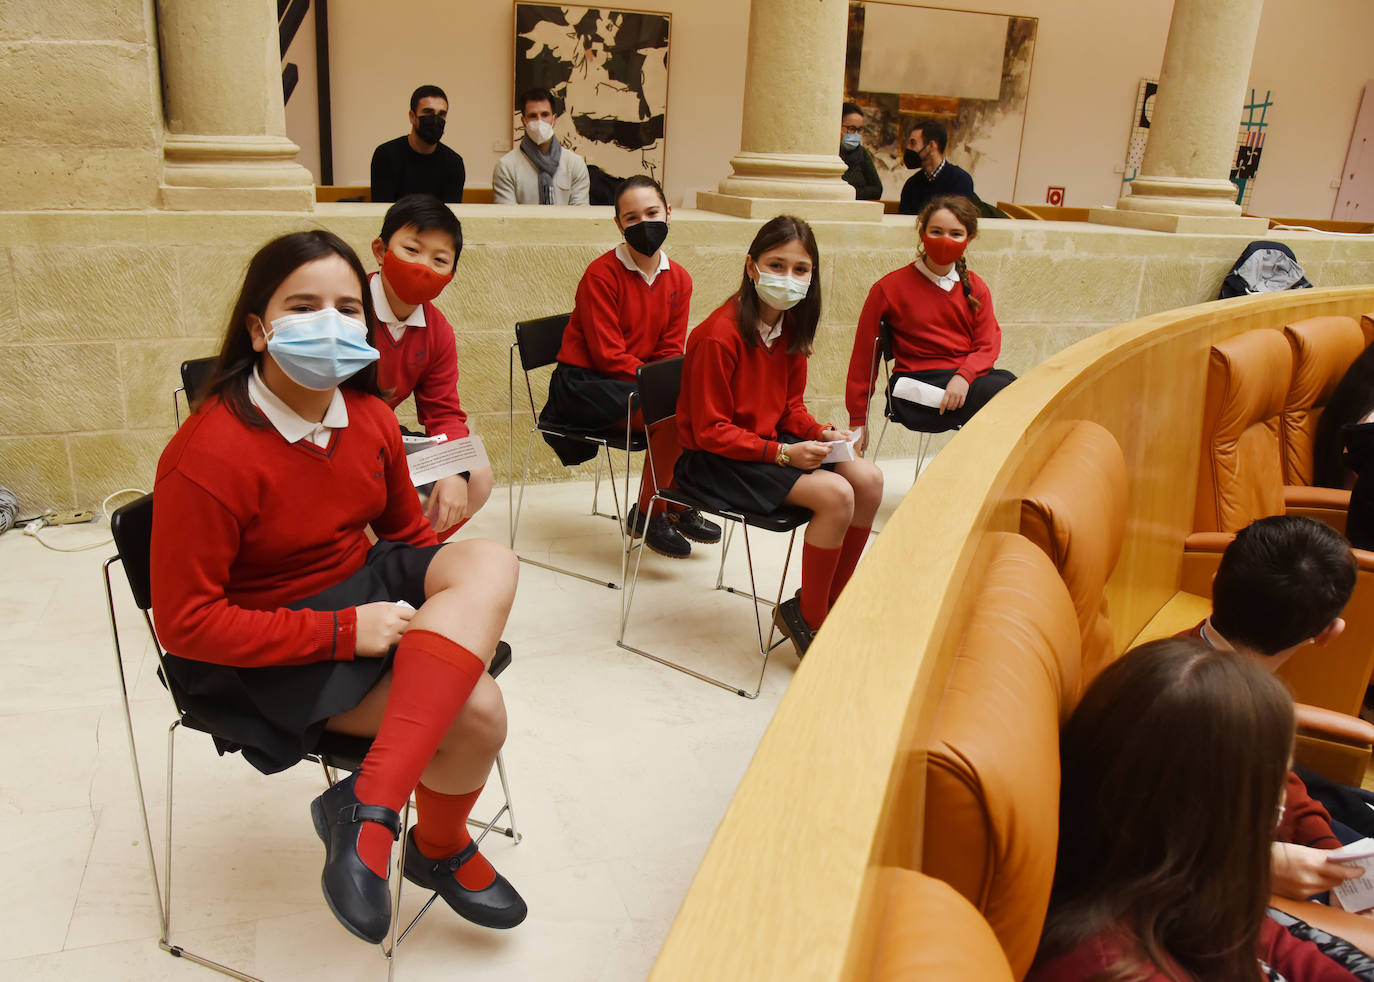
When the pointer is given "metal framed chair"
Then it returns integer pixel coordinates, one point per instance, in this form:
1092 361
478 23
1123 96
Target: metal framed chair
882 347
193 376
132 526
536 346
657 385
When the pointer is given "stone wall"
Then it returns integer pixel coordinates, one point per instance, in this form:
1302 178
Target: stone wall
99 309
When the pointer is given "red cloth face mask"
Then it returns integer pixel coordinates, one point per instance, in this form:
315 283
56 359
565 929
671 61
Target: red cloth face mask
413 282
943 249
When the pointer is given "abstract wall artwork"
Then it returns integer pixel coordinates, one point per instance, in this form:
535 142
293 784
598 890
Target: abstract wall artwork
1249 140
969 70
609 69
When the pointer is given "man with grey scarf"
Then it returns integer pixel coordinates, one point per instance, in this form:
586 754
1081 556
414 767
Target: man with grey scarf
539 171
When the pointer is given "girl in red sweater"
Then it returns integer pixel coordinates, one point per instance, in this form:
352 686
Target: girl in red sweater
1172 778
631 309
942 324
749 442
282 622
417 251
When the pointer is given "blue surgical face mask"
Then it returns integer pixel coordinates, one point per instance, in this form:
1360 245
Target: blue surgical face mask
849 141
321 348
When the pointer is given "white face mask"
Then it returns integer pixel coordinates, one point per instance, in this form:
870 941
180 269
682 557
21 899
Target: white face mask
780 291
539 130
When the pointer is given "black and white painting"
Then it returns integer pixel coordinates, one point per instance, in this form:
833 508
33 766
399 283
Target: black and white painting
609 70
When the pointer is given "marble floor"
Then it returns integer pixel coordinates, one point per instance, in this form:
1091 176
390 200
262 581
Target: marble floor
620 770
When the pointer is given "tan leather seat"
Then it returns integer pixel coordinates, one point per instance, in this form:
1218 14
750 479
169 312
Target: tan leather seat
929 932
992 777
1075 510
1323 349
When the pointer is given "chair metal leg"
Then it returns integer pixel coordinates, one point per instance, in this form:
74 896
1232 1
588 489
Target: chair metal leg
765 647
923 450
881 433
596 484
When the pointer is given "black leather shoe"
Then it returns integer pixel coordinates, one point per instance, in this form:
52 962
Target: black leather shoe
692 524
498 905
358 897
662 537
789 620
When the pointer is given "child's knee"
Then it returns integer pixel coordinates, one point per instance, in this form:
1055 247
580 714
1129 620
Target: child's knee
838 497
480 727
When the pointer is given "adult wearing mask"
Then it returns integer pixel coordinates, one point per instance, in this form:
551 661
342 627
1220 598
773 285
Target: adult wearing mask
861 172
540 171
935 176
418 163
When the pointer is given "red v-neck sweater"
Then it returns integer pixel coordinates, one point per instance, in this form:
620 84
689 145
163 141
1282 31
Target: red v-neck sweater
424 361
736 399
931 330
244 522
619 322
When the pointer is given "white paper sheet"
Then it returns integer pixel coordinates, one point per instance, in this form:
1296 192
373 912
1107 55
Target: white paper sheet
922 393
840 451
430 460
1357 894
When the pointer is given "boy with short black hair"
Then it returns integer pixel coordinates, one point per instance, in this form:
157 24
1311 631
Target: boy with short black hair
1282 584
417 250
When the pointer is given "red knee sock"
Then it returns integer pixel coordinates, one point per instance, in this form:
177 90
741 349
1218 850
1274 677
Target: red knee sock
442 830
850 550
818 571
666 450
431 679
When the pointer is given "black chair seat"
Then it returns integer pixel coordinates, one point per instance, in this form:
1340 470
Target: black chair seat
615 439
784 519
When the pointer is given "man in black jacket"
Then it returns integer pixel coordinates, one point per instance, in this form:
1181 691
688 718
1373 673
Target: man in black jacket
925 153
418 163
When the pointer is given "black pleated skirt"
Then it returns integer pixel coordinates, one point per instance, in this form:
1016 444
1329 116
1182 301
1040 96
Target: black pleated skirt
737 485
583 401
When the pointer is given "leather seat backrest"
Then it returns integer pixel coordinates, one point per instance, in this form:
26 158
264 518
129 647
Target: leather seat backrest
929 932
1323 348
992 774
1240 472
1075 510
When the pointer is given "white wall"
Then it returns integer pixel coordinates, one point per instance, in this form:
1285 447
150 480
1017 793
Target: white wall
1089 59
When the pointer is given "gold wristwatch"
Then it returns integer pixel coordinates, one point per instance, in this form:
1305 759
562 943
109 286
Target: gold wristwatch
783 459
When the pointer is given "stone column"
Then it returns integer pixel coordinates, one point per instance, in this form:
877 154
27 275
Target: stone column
1183 184
225 145
789 141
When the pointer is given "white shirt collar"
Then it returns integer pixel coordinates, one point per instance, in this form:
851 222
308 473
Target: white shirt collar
946 282
622 252
289 423
394 324
770 334
932 175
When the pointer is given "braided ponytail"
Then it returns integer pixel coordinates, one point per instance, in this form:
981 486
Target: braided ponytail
961 267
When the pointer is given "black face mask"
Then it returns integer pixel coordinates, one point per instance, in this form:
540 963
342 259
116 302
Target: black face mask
646 237
912 158
430 128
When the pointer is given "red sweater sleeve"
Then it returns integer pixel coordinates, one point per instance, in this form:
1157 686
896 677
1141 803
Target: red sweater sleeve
598 309
402 520
1301 961
713 369
987 336
670 343
796 418
863 363
195 618
1305 821
436 390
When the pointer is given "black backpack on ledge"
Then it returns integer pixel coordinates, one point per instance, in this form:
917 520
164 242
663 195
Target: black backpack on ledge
1264 267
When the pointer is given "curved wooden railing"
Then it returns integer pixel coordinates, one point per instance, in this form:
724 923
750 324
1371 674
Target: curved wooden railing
835 791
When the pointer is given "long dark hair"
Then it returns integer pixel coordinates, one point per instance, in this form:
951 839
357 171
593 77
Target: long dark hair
804 316
1172 773
967 215
267 271
1352 399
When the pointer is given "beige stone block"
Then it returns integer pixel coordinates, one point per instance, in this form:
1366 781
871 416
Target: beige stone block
58 388
854 274
484 371
207 284
1023 346
37 470
110 20
151 370
111 106
108 461
54 177
1054 338
497 285
1042 287
67 294
1169 283
1336 272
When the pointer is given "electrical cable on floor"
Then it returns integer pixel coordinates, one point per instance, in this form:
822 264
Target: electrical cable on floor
33 527
9 507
